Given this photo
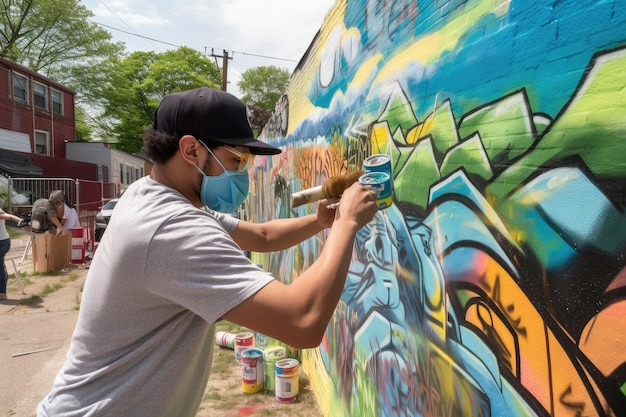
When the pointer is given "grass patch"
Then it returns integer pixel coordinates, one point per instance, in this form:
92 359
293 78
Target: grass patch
48 289
227 326
35 299
212 396
58 282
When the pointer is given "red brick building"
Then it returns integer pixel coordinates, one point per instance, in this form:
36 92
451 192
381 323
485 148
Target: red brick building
37 120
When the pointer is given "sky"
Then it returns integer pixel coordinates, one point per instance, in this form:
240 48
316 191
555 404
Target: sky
253 32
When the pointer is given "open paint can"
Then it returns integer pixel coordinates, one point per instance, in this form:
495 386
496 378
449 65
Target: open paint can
381 183
243 341
287 383
252 370
373 167
270 357
378 163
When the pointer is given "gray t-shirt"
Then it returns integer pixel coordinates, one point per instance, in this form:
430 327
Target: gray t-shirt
163 274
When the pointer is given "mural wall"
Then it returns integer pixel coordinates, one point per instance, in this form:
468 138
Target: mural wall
495 285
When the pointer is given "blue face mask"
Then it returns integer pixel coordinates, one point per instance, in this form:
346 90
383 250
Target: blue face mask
224 192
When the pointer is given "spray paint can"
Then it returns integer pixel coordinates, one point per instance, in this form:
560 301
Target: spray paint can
381 183
243 341
287 383
252 370
225 339
270 357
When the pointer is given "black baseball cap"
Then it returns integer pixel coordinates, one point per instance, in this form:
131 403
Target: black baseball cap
209 115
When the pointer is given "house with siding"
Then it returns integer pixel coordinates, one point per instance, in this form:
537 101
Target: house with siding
114 166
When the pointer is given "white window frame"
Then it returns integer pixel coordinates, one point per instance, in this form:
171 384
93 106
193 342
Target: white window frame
39 96
23 89
57 102
42 142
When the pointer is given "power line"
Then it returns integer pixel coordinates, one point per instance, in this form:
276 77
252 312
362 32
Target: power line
178 46
122 20
267 57
135 34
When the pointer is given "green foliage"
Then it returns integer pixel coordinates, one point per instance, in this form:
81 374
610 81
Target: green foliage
137 83
83 129
263 86
49 35
56 39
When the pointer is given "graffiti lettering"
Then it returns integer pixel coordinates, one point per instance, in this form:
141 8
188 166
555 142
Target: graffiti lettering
576 407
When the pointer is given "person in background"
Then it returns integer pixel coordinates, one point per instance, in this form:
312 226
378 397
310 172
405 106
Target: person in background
69 220
172 264
5 246
45 214
60 206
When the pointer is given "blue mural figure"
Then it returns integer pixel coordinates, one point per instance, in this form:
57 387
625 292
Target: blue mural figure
395 268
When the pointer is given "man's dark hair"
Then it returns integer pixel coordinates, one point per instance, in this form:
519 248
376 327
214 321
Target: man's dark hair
161 146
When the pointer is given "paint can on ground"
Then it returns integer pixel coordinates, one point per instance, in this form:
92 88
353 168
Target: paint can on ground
225 339
252 370
261 341
270 357
381 183
287 383
243 341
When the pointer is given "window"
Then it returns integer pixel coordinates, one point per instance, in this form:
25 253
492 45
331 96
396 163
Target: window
41 143
57 102
40 96
20 88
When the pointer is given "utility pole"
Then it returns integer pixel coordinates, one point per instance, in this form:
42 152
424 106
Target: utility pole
225 59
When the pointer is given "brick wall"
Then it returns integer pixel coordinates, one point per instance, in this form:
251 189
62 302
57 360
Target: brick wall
26 118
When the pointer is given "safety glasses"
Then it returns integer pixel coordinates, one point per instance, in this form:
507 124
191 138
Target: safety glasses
245 159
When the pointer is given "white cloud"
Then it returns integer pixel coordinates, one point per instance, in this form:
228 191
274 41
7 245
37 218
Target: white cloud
253 31
130 13
284 26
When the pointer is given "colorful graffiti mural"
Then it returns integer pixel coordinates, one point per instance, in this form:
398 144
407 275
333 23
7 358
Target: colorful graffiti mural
496 283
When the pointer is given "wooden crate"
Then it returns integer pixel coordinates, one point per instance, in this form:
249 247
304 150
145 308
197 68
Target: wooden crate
51 252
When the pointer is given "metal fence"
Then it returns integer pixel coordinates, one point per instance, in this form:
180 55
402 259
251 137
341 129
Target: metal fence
88 196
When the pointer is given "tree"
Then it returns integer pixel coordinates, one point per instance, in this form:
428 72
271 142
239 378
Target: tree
83 129
137 83
53 37
262 87
258 117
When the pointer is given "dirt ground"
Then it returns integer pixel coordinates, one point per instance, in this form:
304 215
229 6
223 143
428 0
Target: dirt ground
224 396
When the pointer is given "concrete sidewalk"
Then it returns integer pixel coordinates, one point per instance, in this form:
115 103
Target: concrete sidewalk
34 339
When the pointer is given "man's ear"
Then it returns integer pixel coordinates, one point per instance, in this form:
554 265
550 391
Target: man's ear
188 146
